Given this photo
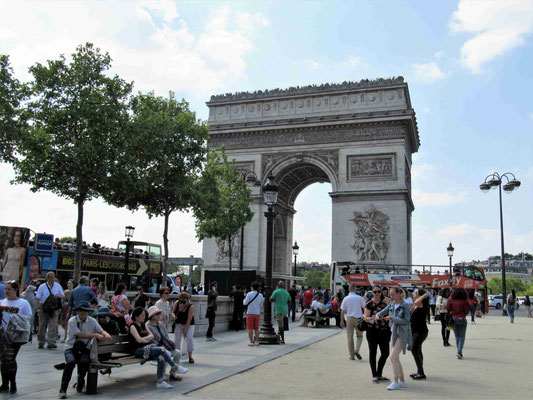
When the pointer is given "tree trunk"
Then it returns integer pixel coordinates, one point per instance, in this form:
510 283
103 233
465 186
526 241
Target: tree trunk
230 251
79 243
165 245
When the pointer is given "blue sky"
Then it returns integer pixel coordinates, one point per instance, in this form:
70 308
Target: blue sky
468 65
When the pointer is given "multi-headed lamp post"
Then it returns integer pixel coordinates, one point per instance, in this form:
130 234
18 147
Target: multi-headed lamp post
494 181
129 234
270 193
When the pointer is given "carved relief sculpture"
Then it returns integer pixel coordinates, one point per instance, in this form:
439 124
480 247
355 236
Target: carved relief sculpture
371 230
223 249
371 167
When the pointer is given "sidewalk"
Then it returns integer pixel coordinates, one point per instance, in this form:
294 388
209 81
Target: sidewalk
230 355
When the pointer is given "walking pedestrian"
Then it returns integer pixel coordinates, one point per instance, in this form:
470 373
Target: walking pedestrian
164 305
398 314
293 292
527 304
308 297
511 304
459 308
183 315
352 308
419 330
81 329
120 306
473 304
433 301
282 301
211 310
238 308
9 306
378 333
48 306
442 302
254 304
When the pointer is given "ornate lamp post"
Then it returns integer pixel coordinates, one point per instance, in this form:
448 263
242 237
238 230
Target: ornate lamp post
129 234
491 182
270 193
450 255
250 177
295 250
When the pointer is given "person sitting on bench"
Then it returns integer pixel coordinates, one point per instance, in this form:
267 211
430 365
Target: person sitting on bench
81 329
142 345
159 331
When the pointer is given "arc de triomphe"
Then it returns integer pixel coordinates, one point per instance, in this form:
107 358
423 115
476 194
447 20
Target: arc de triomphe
357 136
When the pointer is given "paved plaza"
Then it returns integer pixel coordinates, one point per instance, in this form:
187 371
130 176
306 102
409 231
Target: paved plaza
314 363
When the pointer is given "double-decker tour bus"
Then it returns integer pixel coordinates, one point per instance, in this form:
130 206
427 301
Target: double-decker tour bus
108 265
469 277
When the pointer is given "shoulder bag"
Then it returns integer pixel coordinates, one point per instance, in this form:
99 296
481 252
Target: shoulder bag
51 303
255 297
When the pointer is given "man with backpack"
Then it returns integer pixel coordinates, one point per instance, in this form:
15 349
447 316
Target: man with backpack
253 302
48 305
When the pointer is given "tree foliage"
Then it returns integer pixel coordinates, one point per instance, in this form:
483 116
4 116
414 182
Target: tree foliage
77 114
163 154
495 285
224 201
314 278
13 118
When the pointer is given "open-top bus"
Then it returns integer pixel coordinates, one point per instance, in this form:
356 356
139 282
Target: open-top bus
343 274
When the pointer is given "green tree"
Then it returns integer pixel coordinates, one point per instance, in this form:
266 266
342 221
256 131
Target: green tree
495 285
325 281
196 276
12 116
162 156
314 278
224 201
65 239
77 115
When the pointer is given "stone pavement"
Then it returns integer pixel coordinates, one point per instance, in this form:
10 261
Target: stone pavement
498 364
37 379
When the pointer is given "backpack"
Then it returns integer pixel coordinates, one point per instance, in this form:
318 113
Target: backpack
511 300
18 329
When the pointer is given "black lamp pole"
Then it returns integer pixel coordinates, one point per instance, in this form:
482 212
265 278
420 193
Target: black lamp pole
128 234
450 255
267 334
512 184
295 250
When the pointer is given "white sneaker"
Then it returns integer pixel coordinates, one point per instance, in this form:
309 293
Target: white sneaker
251 344
403 385
394 386
163 385
182 370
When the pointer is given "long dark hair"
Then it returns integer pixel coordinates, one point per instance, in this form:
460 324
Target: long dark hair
445 293
459 294
119 289
136 312
425 300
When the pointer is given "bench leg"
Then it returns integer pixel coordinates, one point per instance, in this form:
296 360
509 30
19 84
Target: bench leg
92 381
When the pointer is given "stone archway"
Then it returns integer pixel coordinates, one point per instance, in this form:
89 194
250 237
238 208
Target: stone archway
357 136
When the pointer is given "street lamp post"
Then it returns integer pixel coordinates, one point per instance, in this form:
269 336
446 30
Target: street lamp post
129 234
491 182
295 250
248 176
270 192
450 255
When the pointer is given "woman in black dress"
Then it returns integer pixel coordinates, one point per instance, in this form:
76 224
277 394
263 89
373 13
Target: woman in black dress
377 334
419 330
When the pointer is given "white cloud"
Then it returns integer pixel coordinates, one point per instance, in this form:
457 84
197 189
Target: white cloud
421 198
150 43
530 115
420 169
428 72
499 26
314 65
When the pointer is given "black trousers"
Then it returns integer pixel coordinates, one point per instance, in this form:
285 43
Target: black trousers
292 310
236 322
211 325
444 332
416 350
83 362
8 359
375 338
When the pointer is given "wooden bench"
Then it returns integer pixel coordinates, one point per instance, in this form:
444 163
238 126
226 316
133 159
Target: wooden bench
105 354
317 318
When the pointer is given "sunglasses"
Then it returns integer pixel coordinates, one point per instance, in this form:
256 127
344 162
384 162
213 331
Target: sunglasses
166 292
376 291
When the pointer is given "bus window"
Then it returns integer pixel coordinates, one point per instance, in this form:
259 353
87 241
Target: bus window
473 273
155 252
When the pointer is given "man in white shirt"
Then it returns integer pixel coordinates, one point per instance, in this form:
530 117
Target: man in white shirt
254 301
352 308
48 320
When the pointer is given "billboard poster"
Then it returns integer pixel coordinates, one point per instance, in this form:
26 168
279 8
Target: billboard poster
13 251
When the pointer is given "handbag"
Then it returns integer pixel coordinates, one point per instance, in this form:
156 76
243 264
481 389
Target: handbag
449 322
436 317
51 303
362 325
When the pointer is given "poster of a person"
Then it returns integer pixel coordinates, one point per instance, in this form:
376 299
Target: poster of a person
13 243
